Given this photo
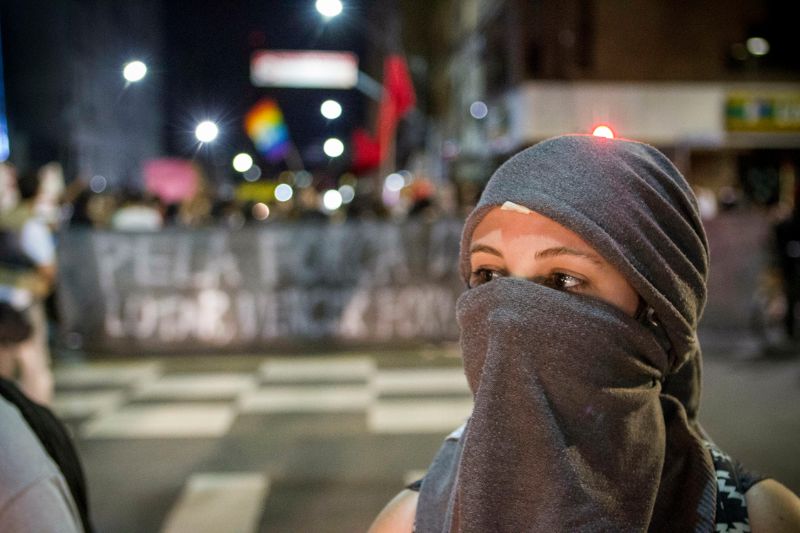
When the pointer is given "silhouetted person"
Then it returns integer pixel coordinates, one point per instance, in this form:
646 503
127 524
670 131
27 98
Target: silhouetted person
787 247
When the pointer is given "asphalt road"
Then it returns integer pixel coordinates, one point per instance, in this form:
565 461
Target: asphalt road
320 443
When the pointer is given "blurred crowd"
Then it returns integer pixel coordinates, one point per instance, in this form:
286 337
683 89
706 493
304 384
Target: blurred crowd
292 196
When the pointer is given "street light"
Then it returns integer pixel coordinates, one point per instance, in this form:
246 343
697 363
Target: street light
242 162
331 109
332 200
134 71
206 131
329 8
333 147
758 46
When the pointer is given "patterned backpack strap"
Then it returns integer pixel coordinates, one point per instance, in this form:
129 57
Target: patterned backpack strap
731 504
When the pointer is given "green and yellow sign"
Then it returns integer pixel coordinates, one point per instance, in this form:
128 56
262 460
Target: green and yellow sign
776 112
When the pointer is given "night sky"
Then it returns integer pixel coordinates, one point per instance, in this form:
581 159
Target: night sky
206 54
201 66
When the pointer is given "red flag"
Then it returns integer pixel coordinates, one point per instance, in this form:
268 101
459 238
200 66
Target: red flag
398 99
366 152
397 83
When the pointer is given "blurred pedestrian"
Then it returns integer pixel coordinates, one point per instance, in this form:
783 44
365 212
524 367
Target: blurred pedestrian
137 213
9 194
27 276
787 252
586 264
50 194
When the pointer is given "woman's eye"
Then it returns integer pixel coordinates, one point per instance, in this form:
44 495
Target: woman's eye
565 282
483 275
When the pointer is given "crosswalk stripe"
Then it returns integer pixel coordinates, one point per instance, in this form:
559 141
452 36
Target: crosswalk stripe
107 374
87 403
213 502
318 368
193 386
414 416
162 421
320 399
420 381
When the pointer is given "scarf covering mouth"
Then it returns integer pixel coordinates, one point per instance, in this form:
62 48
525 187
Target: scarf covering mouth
569 430
565 434
630 203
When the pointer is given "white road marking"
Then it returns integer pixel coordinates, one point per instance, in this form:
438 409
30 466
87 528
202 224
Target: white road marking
87 403
420 381
162 421
105 374
196 386
412 416
318 368
213 502
306 399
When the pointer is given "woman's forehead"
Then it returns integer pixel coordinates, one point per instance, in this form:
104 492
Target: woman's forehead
521 221
527 232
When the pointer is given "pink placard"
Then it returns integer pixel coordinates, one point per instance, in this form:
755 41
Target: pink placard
170 179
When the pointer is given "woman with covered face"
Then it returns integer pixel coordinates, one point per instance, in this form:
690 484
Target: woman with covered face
586 265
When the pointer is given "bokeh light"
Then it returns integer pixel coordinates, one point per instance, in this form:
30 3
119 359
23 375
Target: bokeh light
134 71
332 200
758 46
252 173
347 192
284 192
394 182
331 109
333 147
98 184
206 131
478 110
303 178
260 211
242 162
329 8
603 131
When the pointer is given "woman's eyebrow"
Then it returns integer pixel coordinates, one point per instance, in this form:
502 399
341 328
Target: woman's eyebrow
485 249
564 250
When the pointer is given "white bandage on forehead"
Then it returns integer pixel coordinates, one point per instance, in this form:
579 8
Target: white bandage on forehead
511 206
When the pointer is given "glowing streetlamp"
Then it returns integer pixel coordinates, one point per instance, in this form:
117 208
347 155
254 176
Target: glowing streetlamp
329 8
206 131
331 109
242 162
333 147
134 71
757 46
332 200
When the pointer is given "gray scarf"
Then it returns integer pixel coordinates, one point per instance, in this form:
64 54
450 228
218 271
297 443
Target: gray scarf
580 419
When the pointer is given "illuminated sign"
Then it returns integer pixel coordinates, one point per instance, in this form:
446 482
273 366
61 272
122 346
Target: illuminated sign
746 111
304 69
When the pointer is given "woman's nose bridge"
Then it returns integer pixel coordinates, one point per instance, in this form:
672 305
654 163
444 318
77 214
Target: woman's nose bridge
534 277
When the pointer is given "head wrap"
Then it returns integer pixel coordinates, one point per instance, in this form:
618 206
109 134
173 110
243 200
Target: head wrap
630 203
574 427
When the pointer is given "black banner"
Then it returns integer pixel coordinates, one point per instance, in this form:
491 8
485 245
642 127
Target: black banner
260 288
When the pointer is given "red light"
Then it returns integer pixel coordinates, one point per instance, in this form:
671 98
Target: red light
603 131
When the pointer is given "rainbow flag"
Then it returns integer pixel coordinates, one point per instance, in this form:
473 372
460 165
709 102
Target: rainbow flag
265 127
